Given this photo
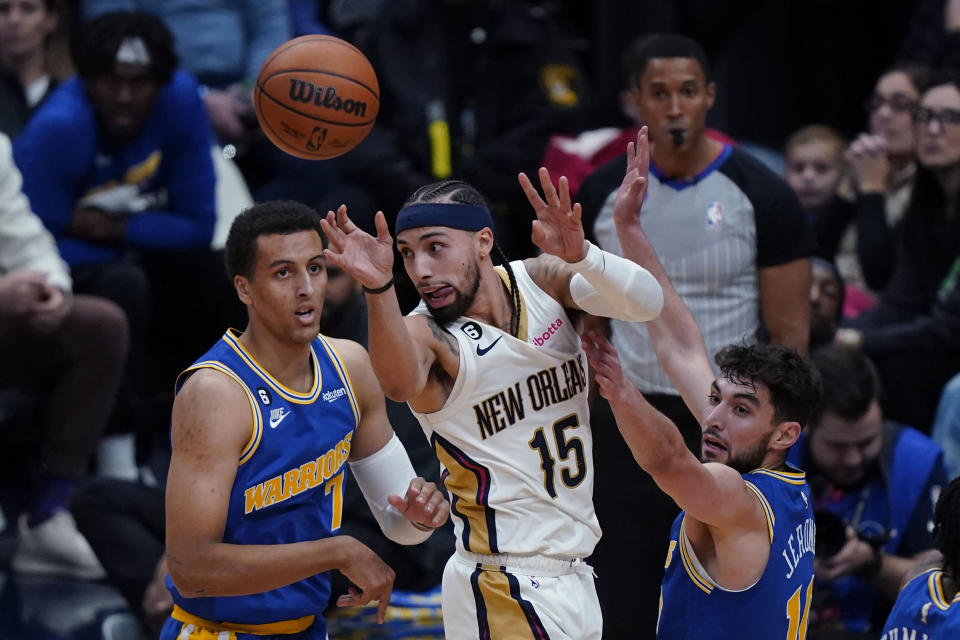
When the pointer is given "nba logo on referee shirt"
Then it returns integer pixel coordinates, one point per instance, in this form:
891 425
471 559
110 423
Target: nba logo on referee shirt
714 216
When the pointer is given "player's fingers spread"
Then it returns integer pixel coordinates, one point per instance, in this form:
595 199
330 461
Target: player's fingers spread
531 192
383 229
564 193
537 234
549 192
576 213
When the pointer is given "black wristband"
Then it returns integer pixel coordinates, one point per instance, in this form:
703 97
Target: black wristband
378 289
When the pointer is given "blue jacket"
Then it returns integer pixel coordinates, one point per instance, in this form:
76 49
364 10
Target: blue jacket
166 172
898 503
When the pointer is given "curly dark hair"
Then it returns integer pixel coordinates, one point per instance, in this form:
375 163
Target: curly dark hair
793 384
465 193
280 217
95 50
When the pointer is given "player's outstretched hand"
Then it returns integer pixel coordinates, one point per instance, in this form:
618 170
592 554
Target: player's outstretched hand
423 503
633 189
557 229
369 260
374 580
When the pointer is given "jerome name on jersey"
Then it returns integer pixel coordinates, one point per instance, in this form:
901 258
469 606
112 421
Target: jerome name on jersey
505 408
310 474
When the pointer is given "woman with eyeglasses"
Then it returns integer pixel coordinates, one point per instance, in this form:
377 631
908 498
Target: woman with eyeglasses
881 167
913 334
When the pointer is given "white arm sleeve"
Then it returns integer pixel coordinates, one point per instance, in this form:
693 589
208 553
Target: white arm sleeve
607 285
380 474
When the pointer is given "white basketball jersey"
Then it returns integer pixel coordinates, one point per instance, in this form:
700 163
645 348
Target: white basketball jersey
513 438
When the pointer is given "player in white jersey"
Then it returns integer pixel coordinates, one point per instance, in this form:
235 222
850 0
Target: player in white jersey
491 364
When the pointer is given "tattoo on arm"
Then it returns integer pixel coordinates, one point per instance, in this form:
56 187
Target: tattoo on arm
441 335
549 272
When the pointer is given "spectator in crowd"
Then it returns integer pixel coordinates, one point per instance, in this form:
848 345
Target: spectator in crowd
946 425
734 242
132 203
34 57
913 334
927 606
71 350
874 484
815 165
224 43
826 302
882 167
470 91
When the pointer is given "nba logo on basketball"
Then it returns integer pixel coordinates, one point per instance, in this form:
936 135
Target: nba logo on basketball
317 136
714 216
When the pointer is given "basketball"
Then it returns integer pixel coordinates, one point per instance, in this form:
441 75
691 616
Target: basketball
316 97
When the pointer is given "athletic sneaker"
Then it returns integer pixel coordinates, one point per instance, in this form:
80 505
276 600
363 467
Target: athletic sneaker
55 546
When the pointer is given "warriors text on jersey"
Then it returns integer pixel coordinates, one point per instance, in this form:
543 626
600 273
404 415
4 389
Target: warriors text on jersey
777 606
514 436
290 478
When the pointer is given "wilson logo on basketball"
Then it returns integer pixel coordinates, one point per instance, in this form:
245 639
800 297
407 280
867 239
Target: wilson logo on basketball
306 92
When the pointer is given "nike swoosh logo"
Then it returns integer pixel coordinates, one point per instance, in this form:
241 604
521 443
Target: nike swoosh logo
481 350
276 421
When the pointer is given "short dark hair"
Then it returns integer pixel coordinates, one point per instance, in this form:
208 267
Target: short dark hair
850 383
660 45
274 217
941 77
793 384
946 528
95 50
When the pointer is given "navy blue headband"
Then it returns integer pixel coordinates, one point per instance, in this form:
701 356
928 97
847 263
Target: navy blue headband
455 215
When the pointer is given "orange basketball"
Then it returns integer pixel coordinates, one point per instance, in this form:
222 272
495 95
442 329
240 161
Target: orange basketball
316 97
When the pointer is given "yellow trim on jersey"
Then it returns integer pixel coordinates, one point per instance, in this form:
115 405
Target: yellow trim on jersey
251 446
522 325
688 565
767 511
285 392
270 628
505 618
935 585
344 374
787 476
462 482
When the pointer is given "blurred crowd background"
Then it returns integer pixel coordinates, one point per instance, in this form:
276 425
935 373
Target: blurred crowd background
129 143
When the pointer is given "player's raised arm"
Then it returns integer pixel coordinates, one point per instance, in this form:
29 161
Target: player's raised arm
402 357
586 277
714 494
676 338
211 424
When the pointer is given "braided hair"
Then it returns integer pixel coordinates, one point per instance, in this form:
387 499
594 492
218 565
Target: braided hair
464 193
946 528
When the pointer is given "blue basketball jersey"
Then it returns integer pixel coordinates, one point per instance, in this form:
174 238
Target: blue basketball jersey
922 612
693 606
290 476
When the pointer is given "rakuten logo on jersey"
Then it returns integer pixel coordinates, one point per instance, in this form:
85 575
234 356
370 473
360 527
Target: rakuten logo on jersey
546 335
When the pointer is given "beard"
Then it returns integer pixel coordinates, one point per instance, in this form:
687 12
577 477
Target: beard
749 459
462 300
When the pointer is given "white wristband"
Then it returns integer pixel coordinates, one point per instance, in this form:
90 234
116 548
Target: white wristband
607 285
